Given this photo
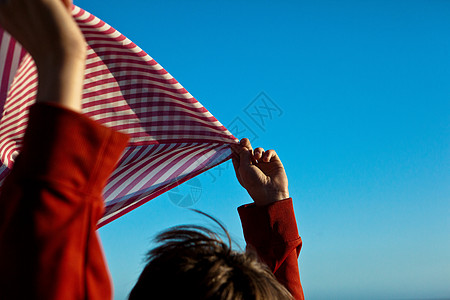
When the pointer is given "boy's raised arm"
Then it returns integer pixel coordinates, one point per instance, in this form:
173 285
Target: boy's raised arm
269 223
46 29
51 201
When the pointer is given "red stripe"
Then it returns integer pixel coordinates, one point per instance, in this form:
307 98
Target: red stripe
156 176
95 36
7 70
3 92
24 75
123 60
175 140
131 166
174 176
22 72
154 95
9 142
101 52
155 194
139 178
175 110
123 82
90 18
125 69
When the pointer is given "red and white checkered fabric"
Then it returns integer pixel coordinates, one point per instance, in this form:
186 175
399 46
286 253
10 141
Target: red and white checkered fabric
173 137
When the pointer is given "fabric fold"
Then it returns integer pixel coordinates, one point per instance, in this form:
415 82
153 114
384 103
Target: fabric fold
172 136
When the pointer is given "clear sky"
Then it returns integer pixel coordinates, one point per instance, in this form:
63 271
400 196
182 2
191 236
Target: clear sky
361 99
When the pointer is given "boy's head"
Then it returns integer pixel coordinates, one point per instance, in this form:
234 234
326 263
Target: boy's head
192 262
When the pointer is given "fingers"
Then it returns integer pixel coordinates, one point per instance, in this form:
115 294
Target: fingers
243 154
241 160
45 28
245 142
237 149
257 155
236 163
264 156
270 155
235 158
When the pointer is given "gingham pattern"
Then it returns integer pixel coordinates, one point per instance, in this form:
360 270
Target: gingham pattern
173 137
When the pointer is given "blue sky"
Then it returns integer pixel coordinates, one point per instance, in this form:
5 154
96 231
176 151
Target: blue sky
363 89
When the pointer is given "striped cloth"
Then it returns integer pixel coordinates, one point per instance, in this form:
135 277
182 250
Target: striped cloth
173 137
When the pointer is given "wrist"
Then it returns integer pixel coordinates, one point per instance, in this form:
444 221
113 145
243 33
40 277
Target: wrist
271 198
61 81
63 49
60 56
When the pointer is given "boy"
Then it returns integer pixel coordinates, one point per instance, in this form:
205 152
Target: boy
51 201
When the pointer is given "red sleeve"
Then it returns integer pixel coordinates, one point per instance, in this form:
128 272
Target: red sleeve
49 207
271 230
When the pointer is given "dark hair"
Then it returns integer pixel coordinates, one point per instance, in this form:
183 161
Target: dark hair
193 262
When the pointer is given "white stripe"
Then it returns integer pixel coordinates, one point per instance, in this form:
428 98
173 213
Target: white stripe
179 113
24 93
199 160
75 10
105 96
15 62
146 166
181 138
10 122
128 67
137 164
132 154
24 83
83 16
149 78
4 45
27 62
138 59
118 211
151 119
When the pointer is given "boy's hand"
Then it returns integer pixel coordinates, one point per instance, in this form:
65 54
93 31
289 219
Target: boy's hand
260 172
46 29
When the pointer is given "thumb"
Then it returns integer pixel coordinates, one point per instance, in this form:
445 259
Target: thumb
245 155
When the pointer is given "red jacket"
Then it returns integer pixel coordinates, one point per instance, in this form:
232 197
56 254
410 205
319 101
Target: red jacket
52 200
271 230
